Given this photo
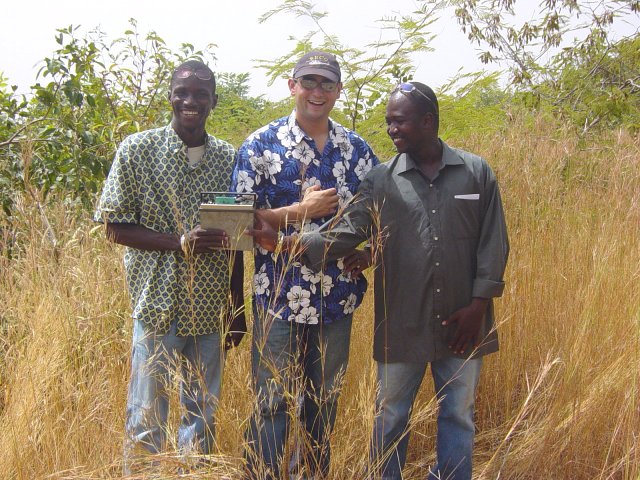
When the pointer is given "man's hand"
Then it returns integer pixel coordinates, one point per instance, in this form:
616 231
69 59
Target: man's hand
318 203
263 233
200 240
468 320
356 262
237 330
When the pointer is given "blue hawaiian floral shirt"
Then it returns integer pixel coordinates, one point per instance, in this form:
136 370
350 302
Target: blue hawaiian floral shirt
278 163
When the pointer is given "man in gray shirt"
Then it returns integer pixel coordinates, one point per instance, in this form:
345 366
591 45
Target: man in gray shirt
437 215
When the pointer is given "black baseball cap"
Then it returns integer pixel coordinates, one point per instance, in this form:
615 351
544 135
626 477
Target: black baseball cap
317 62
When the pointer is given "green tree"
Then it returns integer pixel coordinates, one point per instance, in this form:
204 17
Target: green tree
370 72
91 93
13 122
238 114
596 84
472 104
565 58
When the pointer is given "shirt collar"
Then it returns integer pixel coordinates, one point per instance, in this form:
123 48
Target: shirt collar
337 133
449 157
176 144
295 132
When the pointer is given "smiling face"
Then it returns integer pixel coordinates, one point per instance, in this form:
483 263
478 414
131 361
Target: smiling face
192 99
313 106
409 127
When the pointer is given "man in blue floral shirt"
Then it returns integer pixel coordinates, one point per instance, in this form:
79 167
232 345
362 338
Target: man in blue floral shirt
303 168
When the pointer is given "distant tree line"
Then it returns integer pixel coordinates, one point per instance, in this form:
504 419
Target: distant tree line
92 91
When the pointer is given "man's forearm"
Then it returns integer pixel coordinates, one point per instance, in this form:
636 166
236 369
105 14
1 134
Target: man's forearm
142 238
278 218
479 304
237 281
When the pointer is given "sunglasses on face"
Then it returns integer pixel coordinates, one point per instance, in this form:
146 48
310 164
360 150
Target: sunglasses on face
201 74
409 88
310 84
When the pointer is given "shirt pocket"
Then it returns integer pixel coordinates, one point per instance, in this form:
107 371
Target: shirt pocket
464 218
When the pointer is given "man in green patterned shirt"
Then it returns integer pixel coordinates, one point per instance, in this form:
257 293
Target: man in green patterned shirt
185 287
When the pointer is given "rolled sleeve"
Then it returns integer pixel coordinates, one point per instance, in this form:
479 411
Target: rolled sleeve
105 216
118 202
493 245
487 288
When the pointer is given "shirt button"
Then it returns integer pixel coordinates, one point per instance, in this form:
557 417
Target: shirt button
431 185
438 290
437 316
435 238
433 211
437 264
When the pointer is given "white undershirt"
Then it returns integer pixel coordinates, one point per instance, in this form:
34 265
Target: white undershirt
194 155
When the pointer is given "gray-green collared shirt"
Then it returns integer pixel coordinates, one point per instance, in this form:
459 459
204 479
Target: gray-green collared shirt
444 242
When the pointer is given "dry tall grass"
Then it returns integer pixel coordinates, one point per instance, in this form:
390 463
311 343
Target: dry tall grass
560 399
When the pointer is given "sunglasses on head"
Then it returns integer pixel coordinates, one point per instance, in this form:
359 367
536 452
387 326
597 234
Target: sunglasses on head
310 84
187 72
409 88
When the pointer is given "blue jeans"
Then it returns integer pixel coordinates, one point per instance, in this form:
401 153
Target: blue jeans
301 366
455 383
156 359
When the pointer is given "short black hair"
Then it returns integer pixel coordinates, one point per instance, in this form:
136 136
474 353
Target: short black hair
422 96
195 66
428 102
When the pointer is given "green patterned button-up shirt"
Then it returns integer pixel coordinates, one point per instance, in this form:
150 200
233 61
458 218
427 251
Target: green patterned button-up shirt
152 185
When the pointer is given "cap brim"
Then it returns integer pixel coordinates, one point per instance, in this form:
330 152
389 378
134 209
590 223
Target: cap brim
317 71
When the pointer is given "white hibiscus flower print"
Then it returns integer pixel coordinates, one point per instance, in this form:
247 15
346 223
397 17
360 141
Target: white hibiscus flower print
344 195
273 162
285 137
298 297
261 283
260 167
349 305
339 171
310 182
256 135
304 153
297 133
245 182
312 277
342 277
341 140
266 166
346 149
308 315
327 285
363 167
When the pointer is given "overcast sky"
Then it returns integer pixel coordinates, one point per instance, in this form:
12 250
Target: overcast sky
28 27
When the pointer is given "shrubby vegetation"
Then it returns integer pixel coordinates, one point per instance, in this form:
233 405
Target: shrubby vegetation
562 138
559 401
93 91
